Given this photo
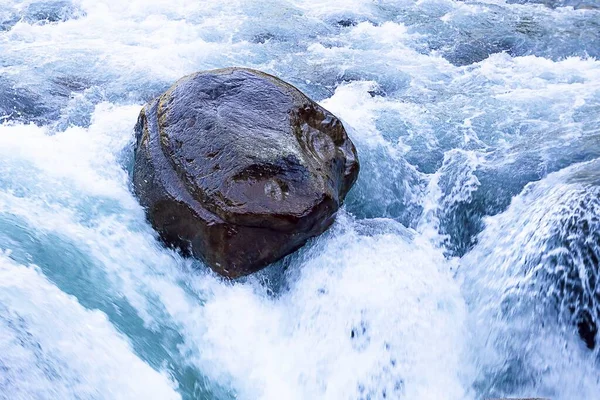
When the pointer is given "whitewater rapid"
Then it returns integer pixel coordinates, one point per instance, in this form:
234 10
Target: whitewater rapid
460 267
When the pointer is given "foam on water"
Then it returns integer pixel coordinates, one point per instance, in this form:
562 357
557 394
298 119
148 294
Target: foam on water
332 336
51 347
455 108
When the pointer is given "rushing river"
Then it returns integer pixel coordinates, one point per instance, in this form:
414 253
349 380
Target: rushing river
463 266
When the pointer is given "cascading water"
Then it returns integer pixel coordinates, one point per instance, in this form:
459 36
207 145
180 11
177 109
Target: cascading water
463 266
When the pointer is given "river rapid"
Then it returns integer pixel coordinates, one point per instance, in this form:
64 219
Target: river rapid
463 266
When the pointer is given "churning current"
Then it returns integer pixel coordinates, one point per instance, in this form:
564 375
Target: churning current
464 264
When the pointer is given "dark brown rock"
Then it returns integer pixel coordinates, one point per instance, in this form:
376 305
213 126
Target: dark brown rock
240 168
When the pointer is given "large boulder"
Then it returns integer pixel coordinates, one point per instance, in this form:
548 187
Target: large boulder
240 168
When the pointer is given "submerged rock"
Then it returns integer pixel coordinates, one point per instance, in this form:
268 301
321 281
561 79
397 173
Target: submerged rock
240 168
22 104
51 11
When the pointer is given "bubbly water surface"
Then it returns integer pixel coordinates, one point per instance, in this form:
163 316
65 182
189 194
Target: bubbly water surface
464 264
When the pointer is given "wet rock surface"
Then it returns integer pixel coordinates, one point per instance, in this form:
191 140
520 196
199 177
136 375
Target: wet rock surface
240 168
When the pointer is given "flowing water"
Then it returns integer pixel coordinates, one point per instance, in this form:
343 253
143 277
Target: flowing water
464 264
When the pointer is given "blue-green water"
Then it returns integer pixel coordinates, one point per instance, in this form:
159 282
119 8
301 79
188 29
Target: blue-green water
461 267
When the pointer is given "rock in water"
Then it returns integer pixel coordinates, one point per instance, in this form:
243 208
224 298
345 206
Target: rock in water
240 168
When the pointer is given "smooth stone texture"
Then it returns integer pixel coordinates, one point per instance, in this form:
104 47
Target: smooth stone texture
240 167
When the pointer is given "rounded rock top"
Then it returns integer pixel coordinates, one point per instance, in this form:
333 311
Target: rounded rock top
241 148
255 149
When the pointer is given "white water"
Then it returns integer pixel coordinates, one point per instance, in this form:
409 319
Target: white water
441 278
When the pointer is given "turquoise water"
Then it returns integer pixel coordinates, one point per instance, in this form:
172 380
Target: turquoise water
461 267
